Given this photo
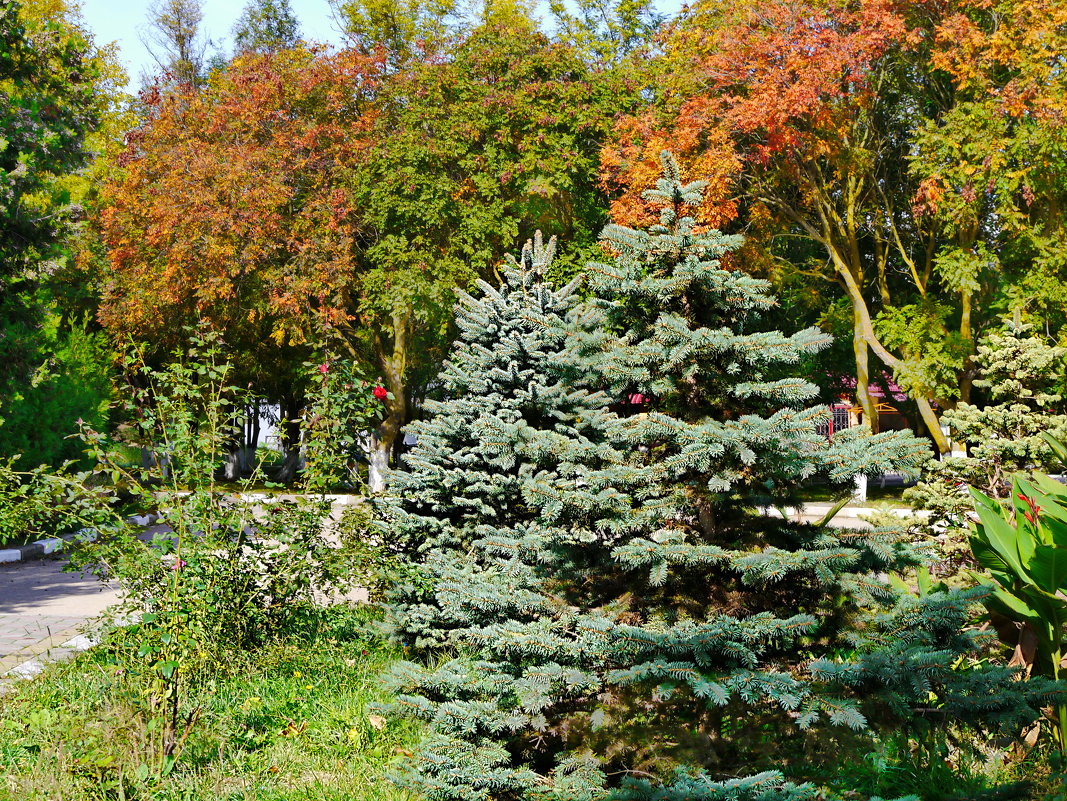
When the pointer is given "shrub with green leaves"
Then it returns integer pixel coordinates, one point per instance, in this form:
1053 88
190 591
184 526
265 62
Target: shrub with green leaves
48 501
229 571
342 409
1024 549
71 384
1022 374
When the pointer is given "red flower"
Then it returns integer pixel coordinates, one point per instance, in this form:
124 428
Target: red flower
381 393
1035 510
324 368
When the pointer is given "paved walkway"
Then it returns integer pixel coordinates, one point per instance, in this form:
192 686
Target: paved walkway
43 612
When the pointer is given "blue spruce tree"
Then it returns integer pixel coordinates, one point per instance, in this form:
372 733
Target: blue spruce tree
602 611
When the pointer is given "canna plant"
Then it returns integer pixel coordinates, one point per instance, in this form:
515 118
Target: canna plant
1024 549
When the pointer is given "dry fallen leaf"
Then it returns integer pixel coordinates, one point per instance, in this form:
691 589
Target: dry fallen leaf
293 729
377 721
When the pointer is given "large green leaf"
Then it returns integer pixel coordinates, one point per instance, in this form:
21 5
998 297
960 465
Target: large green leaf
1049 567
992 561
1057 447
1049 607
999 533
1056 531
1050 487
1011 606
1027 537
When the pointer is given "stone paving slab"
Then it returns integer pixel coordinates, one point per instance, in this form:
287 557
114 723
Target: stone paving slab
44 612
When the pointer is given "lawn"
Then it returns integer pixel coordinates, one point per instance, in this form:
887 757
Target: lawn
297 721
877 497
292 721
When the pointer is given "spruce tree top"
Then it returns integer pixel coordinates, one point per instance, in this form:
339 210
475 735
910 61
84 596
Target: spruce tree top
726 408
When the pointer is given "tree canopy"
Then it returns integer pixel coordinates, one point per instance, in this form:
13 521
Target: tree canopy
59 107
231 205
886 148
265 26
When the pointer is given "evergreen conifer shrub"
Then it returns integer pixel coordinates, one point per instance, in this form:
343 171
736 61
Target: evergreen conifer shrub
603 611
1022 374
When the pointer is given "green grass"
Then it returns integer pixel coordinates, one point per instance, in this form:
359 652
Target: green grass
294 721
877 498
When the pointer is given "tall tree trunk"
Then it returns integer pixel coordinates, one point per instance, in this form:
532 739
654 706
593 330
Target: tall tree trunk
289 427
241 451
967 334
383 439
861 350
863 327
252 429
231 468
378 461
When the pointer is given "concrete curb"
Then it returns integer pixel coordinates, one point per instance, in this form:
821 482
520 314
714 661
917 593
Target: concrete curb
50 545
820 510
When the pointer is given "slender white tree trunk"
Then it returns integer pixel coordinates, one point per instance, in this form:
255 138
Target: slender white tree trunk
379 463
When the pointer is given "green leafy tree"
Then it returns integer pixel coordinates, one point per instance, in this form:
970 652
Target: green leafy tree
72 384
610 601
607 30
471 151
265 26
405 29
176 42
48 106
58 112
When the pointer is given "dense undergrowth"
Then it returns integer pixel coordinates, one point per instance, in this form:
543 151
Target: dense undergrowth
291 721
298 720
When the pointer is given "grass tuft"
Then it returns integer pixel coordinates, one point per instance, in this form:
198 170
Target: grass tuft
291 721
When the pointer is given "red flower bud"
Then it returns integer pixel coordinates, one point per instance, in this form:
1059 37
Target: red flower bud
381 393
324 368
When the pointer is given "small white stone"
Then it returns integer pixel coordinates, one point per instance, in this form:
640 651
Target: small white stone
27 670
79 643
10 555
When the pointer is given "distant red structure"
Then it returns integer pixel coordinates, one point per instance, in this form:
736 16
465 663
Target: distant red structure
846 413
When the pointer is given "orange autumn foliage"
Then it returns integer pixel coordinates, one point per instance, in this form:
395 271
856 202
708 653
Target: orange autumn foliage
749 85
231 203
631 164
1010 50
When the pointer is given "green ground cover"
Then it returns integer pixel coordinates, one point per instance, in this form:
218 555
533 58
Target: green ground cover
292 721
298 720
